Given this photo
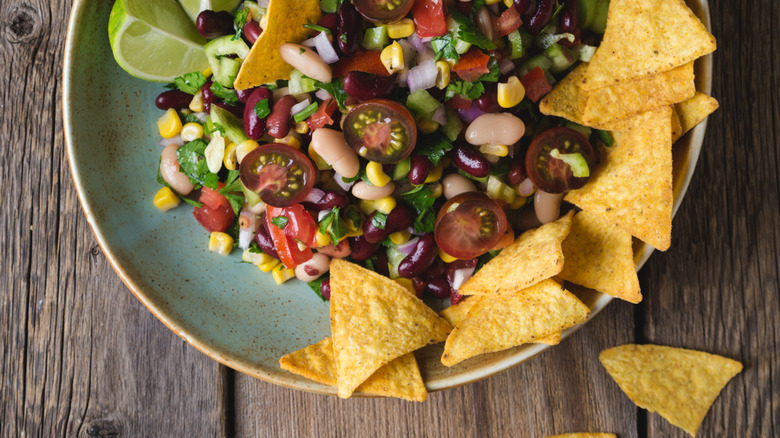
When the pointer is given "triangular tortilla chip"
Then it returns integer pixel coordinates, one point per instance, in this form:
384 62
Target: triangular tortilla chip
679 384
285 20
534 256
633 187
584 435
375 320
498 322
677 129
400 378
599 255
567 99
644 37
694 110
458 312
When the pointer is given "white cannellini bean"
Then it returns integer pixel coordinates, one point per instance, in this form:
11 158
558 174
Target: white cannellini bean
454 184
333 148
169 170
257 209
313 268
307 61
547 206
367 192
499 128
485 22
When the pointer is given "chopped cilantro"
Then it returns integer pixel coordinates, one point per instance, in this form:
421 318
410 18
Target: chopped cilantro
316 286
317 28
188 118
421 199
495 72
444 47
469 33
332 225
335 89
233 191
227 94
379 220
195 204
280 221
434 146
239 22
262 109
477 4
192 163
467 90
190 83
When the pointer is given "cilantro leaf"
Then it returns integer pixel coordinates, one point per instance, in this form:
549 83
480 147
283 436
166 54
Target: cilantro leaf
233 191
192 163
335 89
280 221
421 199
316 286
434 146
239 22
444 47
477 4
195 204
469 33
188 118
467 90
334 226
379 220
227 94
495 72
262 109
190 83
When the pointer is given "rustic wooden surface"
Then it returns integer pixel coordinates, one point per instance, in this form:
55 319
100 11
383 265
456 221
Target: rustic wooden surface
80 356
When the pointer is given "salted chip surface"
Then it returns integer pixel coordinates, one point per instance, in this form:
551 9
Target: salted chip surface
599 255
285 20
534 256
584 435
632 187
679 384
694 110
644 37
498 322
677 129
375 320
630 98
400 378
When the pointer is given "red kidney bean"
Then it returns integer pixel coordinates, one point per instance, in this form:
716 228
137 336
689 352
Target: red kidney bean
525 7
349 29
455 297
470 161
380 264
175 99
364 86
400 218
437 269
208 96
212 24
419 286
279 121
330 22
243 95
516 173
568 20
438 287
332 200
418 170
420 259
237 111
371 232
254 126
542 16
488 102
362 249
325 289
263 239
464 7
458 264
252 31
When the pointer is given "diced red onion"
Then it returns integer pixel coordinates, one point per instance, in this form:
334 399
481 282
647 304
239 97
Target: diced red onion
408 247
460 276
300 106
322 94
309 43
440 115
426 40
423 76
427 55
325 48
547 206
340 182
417 43
526 187
470 114
202 117
506 65
263 3
169 141
314 196
407 50
321 215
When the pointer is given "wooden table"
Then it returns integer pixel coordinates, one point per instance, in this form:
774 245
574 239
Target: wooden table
79 355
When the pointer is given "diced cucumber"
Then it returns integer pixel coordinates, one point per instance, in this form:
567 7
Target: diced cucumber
540 61
300 84
252 198
461 46
453 127
422 103
562 58
234 127
577 163
375 38
401 169
394 258
584 130
516 40
497 189
223 68
599 24
587 12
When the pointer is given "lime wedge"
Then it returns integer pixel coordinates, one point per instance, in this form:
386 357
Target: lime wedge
194 7
155 40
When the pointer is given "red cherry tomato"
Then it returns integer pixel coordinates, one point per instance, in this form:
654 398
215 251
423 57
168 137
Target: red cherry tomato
472 65
280 174
368 61
536 84
381 130
323 115
287 247
212 198
469 225
383 11
429 18
553 175
213 215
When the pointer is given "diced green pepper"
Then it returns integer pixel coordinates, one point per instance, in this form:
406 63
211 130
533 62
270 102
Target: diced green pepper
577 163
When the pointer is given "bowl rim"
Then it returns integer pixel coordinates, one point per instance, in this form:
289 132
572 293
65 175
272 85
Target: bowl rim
282 378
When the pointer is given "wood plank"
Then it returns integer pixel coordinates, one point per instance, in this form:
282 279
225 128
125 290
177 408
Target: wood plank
80 355
562 390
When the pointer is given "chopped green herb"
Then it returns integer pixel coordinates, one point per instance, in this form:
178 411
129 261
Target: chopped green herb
333 225
239 22
317 28
467 90
469 33
316 286
421 199
233 191
188 118
477 4
280 221
434 146
444 47
335 89
262 109
306 112
190 83
195 204
192 163
227 94
379 220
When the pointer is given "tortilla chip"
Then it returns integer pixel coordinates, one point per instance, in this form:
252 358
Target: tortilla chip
677 130
285 18
645 37
534 256
400 378
694 110
633 187
599 255
630 98
679 384
498 322
458 312
567 99
375 320
584 435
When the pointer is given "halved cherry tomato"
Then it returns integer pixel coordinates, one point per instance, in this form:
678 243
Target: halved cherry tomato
322 117
553 175
381 130
279 173
212 198
383 11
536 84
508 21
469 225
289 251
459 102
472 65
368 61
300 225
429 18
215 214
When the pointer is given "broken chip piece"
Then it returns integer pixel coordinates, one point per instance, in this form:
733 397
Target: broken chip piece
694 110
679 384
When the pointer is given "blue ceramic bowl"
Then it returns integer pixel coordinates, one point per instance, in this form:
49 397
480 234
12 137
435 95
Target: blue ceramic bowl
229 310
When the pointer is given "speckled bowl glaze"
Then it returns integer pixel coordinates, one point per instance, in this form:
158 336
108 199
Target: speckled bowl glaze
228 310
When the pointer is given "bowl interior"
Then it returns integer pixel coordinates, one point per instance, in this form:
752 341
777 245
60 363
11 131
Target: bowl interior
227 309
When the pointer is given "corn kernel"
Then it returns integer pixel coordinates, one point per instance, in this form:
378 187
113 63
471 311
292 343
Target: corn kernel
367 207
207 72
510 93
435 173
443 76
406 283
229 160
255 258
426 126
509 3
497 150
519 202
302 128
322 239
169 124
282 274
392 58
268 266
385 205
220 243
436 190
400 237
290 140
400 29
197 104
245 147
191 131
492 2
446 258
165 199
376 174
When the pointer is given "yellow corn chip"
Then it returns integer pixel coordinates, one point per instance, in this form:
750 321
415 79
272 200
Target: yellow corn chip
677 129
400 378
599 255
679 384
584 435
567 99
285 20
694 110
630 98
375 320
645 37
458 312
498 322
633 187
534 256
